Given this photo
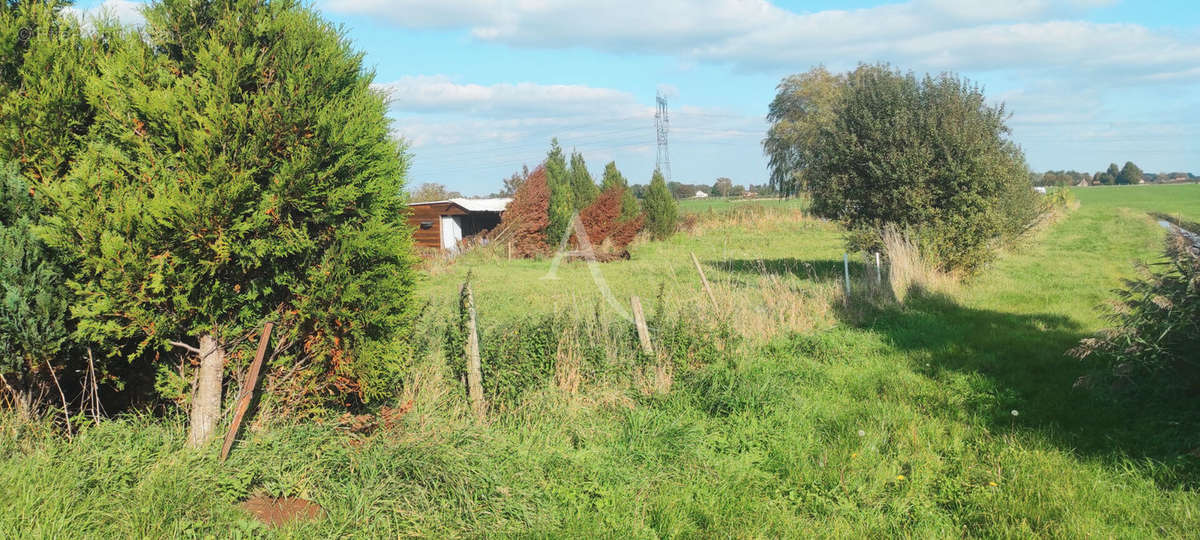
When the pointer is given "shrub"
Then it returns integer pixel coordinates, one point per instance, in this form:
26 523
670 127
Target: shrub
662 214
927 155
1156 332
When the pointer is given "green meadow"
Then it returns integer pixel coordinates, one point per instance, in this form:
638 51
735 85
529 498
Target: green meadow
953 414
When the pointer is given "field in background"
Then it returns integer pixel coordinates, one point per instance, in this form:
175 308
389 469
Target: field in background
954 415
718 204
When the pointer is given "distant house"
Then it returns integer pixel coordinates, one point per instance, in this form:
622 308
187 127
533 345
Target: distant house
701 195
1082 183
1040 189
444 224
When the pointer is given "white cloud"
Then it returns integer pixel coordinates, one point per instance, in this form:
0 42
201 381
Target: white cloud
125 11
439 93
757 35
433 110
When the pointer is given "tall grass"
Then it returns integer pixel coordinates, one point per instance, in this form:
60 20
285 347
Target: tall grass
908 270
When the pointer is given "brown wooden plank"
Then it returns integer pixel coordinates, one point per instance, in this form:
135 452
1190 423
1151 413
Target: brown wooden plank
247 389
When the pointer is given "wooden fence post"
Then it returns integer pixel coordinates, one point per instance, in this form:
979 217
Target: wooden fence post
878 270
846 267
639 320
704 280
247 389
474 365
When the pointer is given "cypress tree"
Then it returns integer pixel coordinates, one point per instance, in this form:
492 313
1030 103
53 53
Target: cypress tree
44 115
44 61
582 185
242 171
661 210
614 178
33 296
562 195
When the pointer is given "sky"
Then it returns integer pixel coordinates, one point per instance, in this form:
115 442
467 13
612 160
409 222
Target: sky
478 88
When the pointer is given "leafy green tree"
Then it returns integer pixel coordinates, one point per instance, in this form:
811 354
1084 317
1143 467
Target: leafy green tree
33 296
927 155
662 213
614 178
722 186
582 185
514 182
803 107
242 171
432 191
1130 174
562 194
1109 177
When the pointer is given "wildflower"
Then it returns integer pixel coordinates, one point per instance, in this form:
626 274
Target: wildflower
899 477
862 433
993 484
1015 413
854 455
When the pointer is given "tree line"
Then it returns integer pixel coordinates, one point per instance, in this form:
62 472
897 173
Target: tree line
1126 175
547 200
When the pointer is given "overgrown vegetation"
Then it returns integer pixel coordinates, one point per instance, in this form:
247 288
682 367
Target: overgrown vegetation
1153 347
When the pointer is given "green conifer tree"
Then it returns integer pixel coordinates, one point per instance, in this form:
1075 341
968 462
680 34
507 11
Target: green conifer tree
562 194
44 60
242 171
662 212
582 185
629 203
44 116
33 296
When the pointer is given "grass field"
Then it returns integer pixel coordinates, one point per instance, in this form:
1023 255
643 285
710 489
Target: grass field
827 422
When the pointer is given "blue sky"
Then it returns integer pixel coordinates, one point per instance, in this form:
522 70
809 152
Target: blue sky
478 87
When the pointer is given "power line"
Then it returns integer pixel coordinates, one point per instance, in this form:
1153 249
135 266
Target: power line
662 125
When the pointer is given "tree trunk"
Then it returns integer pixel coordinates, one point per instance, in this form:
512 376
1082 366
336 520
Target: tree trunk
206 405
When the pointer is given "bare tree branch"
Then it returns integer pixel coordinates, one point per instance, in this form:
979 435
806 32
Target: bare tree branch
183 345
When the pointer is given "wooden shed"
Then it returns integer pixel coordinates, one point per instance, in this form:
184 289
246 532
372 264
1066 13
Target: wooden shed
444 224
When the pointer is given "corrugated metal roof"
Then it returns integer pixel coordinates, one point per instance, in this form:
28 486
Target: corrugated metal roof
474 205
483 205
